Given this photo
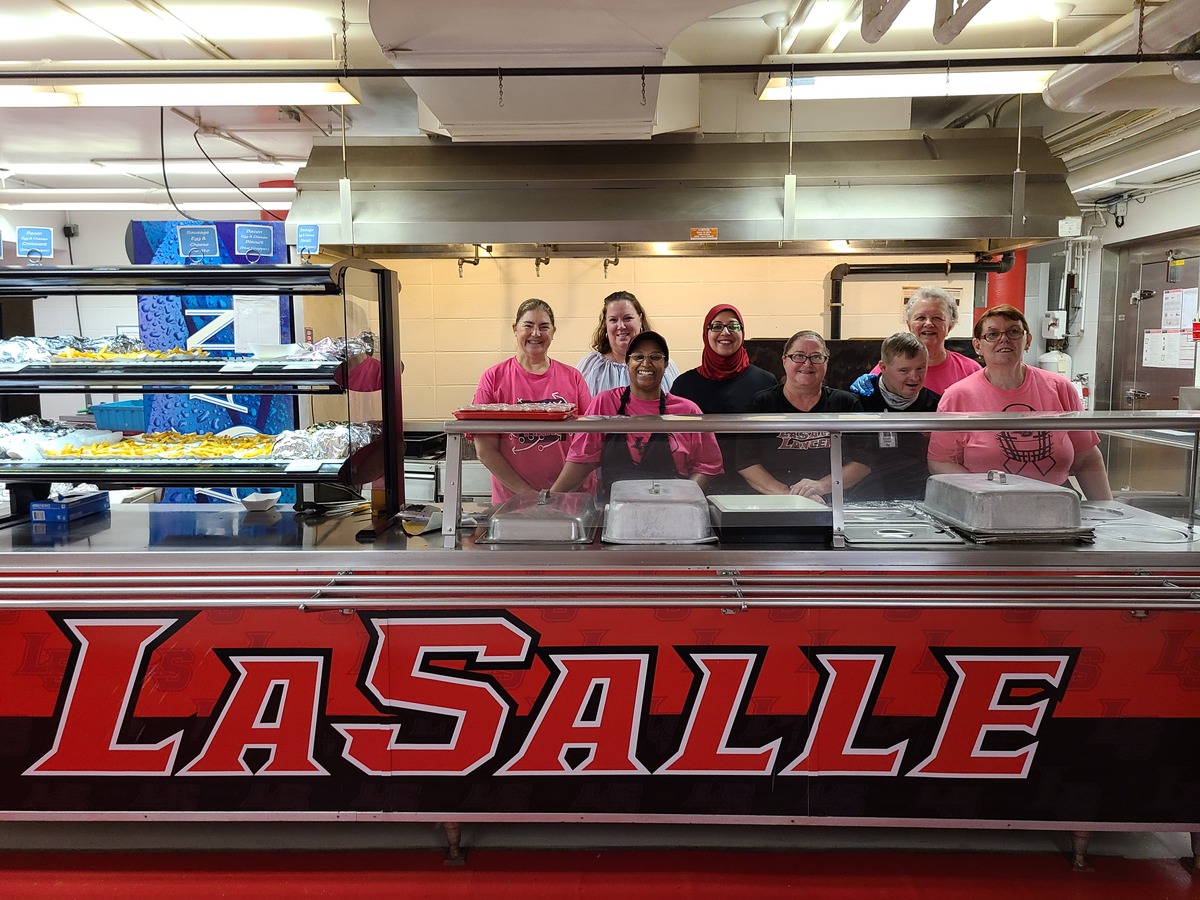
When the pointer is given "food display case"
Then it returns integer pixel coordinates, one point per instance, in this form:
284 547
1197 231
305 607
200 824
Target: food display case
145 462
199 663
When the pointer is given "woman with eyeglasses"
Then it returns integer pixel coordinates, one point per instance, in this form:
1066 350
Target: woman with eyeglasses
724 382
797 461
528 462
621 320
622 457
1007 384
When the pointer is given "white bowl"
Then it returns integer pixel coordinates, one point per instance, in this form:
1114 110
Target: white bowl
257 501
273 351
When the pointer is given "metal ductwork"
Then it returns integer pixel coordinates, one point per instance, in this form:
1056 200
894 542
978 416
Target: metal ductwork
934 192
424 34
1092 88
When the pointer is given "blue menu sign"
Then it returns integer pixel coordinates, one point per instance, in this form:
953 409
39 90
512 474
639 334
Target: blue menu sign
253 240
308 238
37 242
197 241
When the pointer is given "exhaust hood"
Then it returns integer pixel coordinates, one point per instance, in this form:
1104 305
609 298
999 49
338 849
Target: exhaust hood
921 192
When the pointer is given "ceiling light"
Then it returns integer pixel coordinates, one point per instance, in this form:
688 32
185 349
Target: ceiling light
122 167
212 93
134 205
31 95
853 86
1055 12
193 93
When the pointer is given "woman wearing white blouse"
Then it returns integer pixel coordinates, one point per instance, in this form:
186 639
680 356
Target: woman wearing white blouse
621 320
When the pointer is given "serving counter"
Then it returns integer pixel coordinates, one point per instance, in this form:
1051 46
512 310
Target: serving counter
187 662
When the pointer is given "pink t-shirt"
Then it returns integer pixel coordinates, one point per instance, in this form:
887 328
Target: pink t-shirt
1044 455
538 458
693 453
951 370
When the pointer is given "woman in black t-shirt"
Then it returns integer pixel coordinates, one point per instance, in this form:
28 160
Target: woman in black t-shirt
797 461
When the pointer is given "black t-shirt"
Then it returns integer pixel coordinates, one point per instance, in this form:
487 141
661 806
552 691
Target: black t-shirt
899 460
733 395
793 455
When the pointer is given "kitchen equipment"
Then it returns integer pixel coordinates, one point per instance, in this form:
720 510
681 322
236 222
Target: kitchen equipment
1003 507
424 444
897 534
670 511
770 518
543 518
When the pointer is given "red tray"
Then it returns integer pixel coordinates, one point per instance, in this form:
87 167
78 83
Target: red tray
517 412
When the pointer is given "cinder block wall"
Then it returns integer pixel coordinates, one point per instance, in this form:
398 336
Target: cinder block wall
453 328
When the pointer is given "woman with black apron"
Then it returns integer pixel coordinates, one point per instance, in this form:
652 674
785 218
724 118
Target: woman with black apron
622 457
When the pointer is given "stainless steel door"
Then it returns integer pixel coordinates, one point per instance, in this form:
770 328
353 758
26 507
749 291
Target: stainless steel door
1149 362
1144 377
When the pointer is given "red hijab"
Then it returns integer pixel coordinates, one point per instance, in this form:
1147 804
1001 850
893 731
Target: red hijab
721 368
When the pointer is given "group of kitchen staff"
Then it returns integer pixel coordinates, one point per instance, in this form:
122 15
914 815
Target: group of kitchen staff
629 372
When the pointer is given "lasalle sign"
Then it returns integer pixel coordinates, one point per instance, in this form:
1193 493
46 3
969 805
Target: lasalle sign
790 714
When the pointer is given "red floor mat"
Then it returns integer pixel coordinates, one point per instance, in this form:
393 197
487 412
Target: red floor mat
627 874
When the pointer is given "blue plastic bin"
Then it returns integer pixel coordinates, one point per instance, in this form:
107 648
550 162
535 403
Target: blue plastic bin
124 415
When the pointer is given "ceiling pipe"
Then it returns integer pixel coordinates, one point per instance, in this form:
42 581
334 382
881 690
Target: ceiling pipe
1070 88
842 271
878 16
951 17
843 26
791 31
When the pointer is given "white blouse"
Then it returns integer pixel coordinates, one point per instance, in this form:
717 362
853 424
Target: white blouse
602 374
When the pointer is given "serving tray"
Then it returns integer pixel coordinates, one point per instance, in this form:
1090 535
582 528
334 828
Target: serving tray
545 412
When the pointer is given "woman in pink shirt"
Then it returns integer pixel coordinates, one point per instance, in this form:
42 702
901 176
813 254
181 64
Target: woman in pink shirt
931 315
641 456
528 462
1007 384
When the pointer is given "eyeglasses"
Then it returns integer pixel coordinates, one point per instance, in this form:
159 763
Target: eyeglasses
642 357
817 358
718 327
1013 334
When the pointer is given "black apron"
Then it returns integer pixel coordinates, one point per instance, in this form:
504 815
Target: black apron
617 463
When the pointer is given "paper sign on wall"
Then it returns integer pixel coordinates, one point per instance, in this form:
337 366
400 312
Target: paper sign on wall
1167 349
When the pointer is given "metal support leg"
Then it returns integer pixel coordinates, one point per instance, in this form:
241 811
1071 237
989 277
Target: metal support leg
454 854
1079 846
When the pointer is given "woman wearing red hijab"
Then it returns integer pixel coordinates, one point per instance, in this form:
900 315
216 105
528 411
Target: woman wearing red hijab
724 382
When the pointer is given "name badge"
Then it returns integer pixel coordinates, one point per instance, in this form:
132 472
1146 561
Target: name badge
887 439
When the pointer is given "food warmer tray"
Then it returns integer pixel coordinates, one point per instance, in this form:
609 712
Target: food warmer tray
543 518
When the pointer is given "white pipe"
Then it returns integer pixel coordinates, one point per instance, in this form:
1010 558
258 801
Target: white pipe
1149 92
878 16
1187 70
949 22
842 28
1163 28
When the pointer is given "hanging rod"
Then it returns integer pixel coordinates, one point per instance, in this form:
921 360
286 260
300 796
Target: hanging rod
48 75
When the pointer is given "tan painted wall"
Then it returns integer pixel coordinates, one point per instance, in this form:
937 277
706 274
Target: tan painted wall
452 329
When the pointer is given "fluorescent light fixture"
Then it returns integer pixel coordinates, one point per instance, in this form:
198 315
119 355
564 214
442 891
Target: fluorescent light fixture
133 205
182 93
853 86
122 167
212 93
1126 176
30 95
